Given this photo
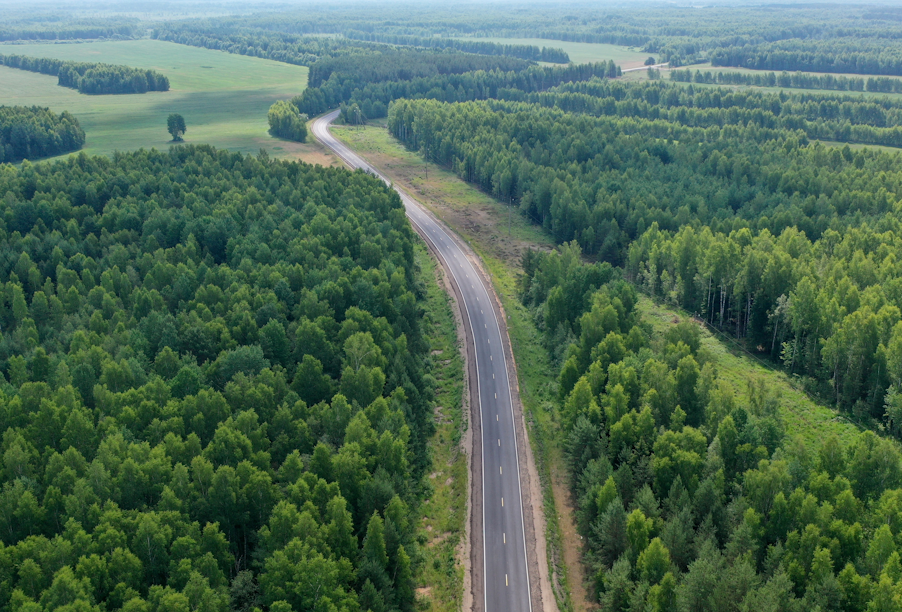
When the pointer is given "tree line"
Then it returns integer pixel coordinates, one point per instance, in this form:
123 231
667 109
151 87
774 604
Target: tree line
90 78
286 122
281 47
841 118
795 80
26 30
845 54
35 132
528 52
688 496
373 99
405 64
373 81
214 389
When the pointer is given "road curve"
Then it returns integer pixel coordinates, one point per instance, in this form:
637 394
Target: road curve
505 567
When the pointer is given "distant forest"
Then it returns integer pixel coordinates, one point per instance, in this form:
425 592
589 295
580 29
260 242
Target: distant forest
31 133
837 39
90 78
14 30
528 52
790 80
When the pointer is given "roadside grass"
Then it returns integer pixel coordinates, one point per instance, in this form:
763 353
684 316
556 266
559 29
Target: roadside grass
223 97
538 382
477 216
801 415
482 222
580 53
443 515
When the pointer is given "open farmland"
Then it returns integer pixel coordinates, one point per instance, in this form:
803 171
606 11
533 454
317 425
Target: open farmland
223 97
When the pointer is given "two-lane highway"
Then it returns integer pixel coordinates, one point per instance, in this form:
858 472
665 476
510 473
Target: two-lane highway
506 573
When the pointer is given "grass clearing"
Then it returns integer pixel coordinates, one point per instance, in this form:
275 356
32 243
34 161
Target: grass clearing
579 52
223 97
856 146
801 415
441 576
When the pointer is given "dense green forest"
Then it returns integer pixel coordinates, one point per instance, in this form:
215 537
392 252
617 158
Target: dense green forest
373 99
404 64
374 80
90 78
689 499
32 133
26 28
286 122
288 48
856 55
214 391
788 245
839 117
527 52
786 80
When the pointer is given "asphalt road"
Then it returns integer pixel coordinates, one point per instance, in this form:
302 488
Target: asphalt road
504 556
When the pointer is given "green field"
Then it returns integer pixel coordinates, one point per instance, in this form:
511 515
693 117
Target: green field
223 97
581 53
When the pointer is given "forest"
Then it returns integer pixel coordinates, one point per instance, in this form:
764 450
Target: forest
34 132
482 47
25 28
688 499
836 117
372 99
855 55
214 382
89 78
288 48
786 80
214 388
286 122
788 245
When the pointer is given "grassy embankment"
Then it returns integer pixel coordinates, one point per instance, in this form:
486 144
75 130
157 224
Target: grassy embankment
483 223
440 579
223 97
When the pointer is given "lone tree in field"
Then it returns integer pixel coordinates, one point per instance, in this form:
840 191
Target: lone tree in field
650 61
176 125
